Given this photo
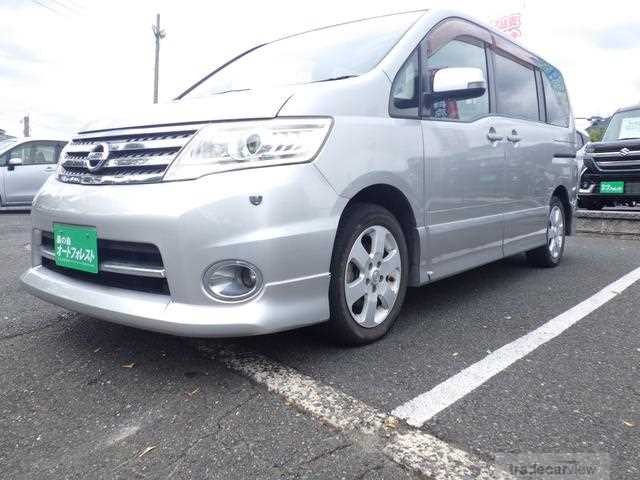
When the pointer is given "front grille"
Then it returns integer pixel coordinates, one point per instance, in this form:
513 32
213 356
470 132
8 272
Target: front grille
138 155
128 265
621 157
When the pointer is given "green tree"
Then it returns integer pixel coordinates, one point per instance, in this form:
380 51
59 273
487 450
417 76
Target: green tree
596 133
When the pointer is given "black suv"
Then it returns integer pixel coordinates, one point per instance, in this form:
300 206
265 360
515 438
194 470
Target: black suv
612 166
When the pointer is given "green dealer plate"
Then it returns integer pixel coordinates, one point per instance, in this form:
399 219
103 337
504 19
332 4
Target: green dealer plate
76 247
612 187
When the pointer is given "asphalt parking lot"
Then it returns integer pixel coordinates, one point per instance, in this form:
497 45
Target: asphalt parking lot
81 398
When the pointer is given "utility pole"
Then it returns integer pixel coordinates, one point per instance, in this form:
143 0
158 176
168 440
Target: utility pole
26 129
159 34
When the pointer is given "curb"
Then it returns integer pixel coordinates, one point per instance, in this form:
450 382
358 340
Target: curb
619 223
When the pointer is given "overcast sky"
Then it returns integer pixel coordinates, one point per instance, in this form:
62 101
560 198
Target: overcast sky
66 62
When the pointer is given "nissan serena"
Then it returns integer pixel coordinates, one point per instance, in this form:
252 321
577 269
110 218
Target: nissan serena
313 179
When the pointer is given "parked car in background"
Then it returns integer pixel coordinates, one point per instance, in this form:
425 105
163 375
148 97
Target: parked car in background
582 138
313 179
25 164
612 166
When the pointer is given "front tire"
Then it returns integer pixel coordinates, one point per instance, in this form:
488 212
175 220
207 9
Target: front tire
549 255
369 274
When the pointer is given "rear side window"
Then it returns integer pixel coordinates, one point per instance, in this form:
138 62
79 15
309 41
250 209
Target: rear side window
555 97
457 53
404 93
516 89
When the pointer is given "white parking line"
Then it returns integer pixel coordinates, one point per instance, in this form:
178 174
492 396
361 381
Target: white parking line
411 448
422 408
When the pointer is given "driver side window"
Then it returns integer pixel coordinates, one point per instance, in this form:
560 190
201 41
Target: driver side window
35 153
456 53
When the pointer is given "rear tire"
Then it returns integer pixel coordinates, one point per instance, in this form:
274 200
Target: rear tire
550 254
369 274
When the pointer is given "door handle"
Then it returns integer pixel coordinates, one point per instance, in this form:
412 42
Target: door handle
492 136
514 137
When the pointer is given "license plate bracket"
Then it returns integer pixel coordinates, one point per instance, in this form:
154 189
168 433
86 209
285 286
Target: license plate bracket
76 247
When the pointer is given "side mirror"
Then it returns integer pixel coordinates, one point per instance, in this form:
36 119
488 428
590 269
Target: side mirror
458 83
14 162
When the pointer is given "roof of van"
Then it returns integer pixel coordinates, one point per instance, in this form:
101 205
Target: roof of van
470 18
449 13
424 11
629 108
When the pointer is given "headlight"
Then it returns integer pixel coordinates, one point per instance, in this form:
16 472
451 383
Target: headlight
220 147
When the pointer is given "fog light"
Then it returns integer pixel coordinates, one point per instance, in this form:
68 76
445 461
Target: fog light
232 280
249 278
585 185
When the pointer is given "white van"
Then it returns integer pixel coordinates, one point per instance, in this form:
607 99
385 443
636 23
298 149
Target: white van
313 179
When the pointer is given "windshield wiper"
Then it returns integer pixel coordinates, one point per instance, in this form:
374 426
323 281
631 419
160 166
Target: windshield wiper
229 91
628 138
342 77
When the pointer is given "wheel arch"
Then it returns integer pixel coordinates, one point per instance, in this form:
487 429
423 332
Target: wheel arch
394 200
562 193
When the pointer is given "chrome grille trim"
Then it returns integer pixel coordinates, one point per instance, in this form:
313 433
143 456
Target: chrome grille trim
619 163
140 270
121 179
126 161
616 157
136 155
615 154
128 145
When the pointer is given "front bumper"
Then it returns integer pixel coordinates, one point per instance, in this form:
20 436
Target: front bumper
281 307
590 186
289 237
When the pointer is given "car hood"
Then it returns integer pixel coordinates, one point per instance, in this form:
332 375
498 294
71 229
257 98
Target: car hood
613 144
250 104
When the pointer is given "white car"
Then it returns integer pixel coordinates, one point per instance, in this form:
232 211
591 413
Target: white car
25 164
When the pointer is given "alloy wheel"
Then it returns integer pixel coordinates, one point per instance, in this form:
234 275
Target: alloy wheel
555 231
372 278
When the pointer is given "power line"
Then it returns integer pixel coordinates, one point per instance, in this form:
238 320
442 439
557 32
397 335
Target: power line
75 4
44 5
65 6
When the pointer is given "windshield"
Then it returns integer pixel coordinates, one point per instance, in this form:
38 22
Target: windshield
330 53
623 125
6 145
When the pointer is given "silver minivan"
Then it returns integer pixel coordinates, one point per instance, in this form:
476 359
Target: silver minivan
25 164
313 179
